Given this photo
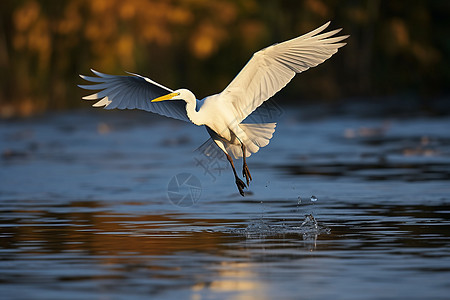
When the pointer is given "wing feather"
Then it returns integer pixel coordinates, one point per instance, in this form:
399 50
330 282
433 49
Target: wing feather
132 92
271 69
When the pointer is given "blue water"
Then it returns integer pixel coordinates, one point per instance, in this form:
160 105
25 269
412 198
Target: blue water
93 206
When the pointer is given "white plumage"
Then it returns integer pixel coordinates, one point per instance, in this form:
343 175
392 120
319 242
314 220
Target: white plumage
267 72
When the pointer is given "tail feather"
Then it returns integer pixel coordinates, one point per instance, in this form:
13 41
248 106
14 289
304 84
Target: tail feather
259 136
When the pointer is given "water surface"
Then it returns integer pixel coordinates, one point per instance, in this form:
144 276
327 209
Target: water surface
85 210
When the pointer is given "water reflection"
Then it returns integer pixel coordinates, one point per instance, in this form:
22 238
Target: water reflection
85 214
86 242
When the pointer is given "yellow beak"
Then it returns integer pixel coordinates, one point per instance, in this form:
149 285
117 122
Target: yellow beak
165 97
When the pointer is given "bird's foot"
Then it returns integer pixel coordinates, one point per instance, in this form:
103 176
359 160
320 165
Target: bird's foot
246 174
240 185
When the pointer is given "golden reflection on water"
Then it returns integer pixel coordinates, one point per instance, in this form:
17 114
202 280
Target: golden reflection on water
115 234
139 241
183 251
234 277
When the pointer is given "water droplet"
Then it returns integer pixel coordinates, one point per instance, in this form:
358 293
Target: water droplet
313 198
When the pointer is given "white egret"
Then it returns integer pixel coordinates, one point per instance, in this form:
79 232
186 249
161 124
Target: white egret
267 72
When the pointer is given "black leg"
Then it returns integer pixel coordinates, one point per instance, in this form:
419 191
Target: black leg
245 170
239 183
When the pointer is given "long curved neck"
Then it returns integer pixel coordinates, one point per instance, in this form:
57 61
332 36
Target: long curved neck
191 111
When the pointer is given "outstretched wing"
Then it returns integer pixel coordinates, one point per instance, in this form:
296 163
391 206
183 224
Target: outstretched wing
132 92
270 69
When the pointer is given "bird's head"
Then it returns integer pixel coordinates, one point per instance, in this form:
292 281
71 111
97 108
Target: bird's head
181 94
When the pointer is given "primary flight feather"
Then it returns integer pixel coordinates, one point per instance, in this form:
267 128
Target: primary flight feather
267 72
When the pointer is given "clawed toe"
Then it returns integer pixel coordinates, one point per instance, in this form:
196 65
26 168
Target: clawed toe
240 185
246 174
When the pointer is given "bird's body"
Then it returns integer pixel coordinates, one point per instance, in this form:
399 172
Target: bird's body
267 72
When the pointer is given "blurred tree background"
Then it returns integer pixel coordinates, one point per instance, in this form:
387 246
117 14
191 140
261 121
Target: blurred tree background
396 47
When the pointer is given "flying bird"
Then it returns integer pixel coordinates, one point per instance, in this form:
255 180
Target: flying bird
267 72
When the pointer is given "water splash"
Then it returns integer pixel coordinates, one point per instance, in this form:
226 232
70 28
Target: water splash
299 203
310 222
309 229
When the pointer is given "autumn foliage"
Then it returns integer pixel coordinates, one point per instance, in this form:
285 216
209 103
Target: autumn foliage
395 46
